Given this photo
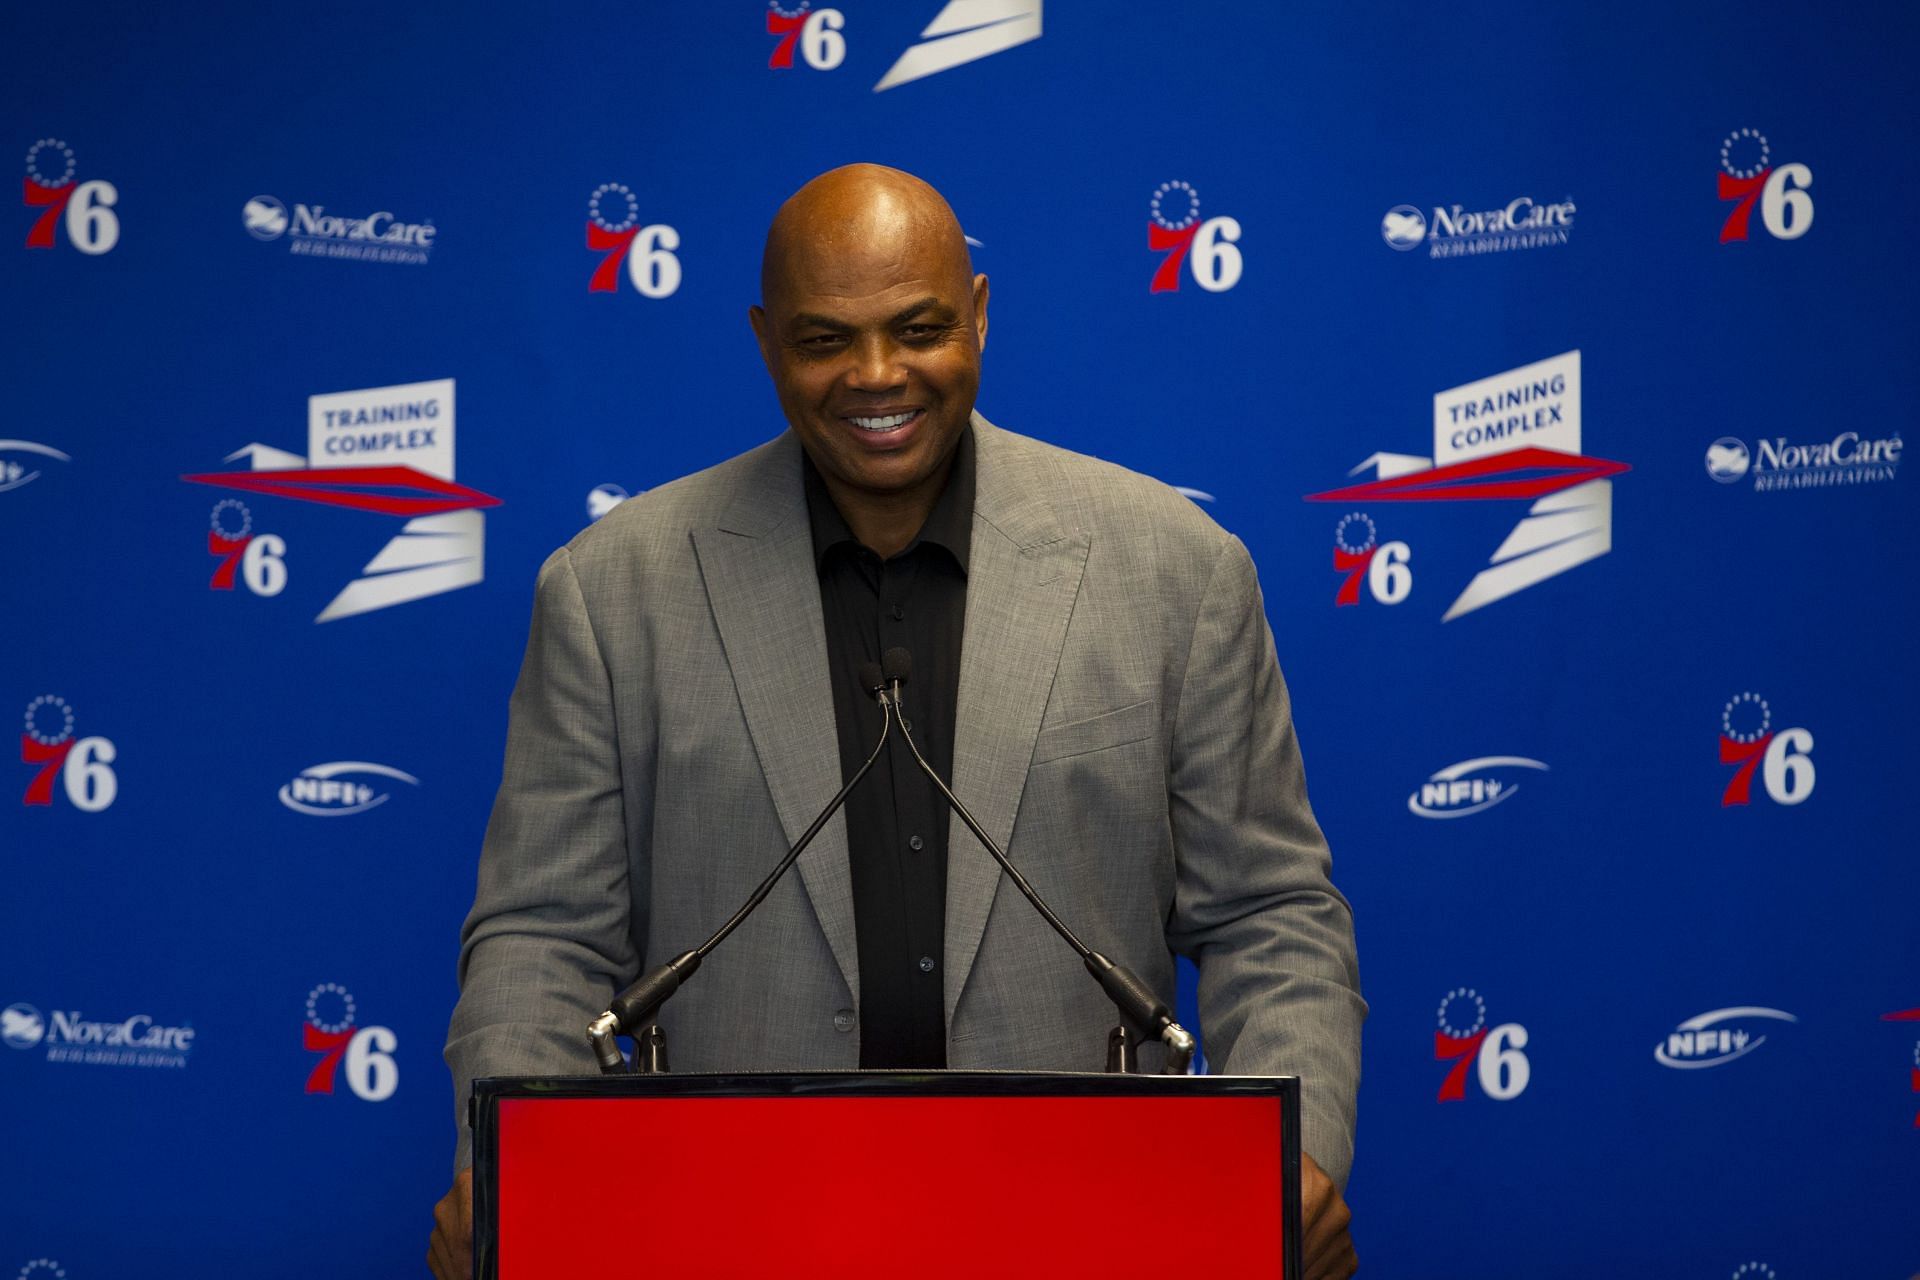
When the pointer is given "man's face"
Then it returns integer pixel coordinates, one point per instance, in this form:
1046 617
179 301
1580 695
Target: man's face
874 349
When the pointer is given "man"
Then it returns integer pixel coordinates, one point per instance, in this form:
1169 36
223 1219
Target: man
1092 662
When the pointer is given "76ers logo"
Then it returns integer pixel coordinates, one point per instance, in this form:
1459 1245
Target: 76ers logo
1359 554
1749 740
1747 173
92 226
371 1072
816 31
613 228
84 767
1206 248
260 557
1465 1040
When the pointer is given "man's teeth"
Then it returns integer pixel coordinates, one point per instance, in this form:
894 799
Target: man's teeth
887 423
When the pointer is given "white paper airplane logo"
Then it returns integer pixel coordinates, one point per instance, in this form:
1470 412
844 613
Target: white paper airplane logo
965 31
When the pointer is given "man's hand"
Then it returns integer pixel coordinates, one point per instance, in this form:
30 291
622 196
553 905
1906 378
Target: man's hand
450 1252
1326 1250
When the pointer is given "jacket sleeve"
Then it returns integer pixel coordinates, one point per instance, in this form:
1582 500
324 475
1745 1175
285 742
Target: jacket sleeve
1253 903
550 936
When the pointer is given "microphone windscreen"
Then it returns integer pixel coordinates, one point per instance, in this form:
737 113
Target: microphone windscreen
896 664
871 679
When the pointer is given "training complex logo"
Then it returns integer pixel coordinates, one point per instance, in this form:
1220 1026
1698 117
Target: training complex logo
965 31
1456 231
92 226
1748 739
376 237
68 1036
367 1052
1715 1038
1207 248
1748 174
330 791
385 450
1848 458
1470 787
84 766
1515 435
1465 1040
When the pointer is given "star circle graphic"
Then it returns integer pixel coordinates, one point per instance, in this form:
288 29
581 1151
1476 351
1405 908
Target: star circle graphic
1161 192
599 219
1479 1014
1340 533
56 705
1737 138
1744 699
246 519
313 1007
34 173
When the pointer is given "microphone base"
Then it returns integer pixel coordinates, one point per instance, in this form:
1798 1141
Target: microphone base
650 1051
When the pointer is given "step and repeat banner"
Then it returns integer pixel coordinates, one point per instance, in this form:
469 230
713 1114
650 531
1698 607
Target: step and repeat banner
1555 363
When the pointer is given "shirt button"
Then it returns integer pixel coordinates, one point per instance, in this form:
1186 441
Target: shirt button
926 964
916 843
843 1020
898 613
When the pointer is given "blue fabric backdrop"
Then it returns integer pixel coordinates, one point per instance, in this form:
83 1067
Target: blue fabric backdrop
1609 740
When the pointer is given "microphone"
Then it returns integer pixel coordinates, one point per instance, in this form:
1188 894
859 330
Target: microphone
632 1011
1144 1011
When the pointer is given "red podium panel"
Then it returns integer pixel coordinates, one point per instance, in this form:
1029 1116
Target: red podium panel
886 1174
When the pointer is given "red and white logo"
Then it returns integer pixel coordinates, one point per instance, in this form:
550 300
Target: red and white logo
965 31
1360 557
1206 248
383 450
1748 175
1515 435
366 1052
816 33
92 225
614 230
1494 1054
84 766
1749 740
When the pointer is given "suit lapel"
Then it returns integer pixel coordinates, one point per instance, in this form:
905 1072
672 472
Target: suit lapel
1023 576
764 590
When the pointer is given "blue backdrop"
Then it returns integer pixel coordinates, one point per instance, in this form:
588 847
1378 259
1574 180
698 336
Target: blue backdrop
1588 329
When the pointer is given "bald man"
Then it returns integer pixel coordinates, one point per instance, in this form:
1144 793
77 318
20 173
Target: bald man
1092 667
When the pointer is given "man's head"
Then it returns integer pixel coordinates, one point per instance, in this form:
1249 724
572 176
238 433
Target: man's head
871 323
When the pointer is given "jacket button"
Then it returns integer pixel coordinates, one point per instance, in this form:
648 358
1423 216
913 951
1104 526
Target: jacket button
843 1020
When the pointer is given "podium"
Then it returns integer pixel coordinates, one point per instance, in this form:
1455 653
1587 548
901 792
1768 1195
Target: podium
933 1175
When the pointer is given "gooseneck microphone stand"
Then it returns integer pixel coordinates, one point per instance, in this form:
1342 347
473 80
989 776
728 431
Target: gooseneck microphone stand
1142 1012
633 1010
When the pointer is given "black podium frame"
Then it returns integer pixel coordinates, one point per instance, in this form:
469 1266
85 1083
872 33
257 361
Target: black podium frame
483 1115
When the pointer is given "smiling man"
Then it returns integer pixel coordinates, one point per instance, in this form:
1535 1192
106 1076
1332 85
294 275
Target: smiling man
1092 667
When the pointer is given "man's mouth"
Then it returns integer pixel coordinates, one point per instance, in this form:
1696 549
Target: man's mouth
881 423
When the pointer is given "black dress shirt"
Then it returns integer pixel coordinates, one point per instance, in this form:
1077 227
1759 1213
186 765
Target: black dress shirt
896 820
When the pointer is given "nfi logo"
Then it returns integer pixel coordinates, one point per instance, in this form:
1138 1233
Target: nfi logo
1715 1038
331 790
1470 787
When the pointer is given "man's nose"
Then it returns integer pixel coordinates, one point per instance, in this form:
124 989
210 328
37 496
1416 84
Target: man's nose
876 364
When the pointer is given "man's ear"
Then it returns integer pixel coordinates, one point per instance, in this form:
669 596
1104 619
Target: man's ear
757 317
980 309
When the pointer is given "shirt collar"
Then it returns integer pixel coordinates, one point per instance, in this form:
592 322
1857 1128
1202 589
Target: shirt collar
949 524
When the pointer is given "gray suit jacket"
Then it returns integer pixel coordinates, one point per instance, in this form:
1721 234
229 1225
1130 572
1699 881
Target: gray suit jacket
1122 729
